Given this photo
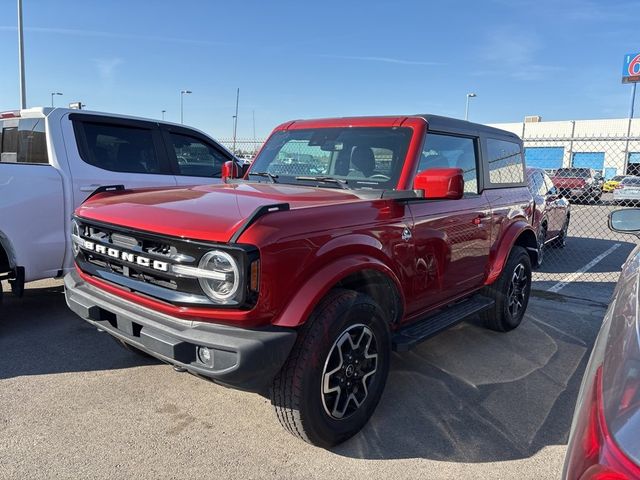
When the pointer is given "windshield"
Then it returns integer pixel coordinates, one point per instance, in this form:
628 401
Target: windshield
359 157
573 172
617 178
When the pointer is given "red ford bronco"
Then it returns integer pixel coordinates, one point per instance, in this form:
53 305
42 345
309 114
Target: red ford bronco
346 239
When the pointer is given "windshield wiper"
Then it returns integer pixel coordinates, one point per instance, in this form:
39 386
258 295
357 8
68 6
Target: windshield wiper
272 178
341 183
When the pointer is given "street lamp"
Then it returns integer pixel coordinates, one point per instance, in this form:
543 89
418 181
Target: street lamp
163 112
182 94
52 95
466 110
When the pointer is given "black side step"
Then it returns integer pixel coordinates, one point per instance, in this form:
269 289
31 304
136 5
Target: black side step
408 337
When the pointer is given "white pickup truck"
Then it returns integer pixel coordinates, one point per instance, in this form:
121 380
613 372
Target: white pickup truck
52 159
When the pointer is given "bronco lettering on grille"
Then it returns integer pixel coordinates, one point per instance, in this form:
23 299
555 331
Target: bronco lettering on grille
124 256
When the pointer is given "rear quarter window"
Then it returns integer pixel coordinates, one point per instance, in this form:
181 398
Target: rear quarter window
23 141
504 162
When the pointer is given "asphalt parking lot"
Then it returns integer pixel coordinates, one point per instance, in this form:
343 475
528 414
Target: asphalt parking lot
469 403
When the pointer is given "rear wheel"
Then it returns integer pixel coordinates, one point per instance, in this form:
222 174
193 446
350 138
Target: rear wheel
510 292
334 377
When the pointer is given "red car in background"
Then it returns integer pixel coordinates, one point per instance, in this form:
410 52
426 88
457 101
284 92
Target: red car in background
552 211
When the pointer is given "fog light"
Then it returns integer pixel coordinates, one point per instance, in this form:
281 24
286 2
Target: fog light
205 356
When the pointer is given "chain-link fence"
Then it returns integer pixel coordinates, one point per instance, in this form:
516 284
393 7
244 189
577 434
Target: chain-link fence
576 183
243 147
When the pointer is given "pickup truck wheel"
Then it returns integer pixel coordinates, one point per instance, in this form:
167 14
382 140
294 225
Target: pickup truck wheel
334 377
510 292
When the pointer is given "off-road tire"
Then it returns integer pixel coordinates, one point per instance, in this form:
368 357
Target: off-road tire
499 317
297 391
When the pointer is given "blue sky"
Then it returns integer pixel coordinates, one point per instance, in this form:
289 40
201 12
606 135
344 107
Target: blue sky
301 59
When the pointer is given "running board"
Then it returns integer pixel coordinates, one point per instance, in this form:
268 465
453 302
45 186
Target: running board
408 337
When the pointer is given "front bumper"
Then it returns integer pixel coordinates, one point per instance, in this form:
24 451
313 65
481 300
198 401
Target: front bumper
247 359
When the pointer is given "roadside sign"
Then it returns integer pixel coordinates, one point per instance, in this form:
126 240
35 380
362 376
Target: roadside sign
631 68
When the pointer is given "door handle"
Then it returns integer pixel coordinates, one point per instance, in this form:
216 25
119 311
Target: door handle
89 188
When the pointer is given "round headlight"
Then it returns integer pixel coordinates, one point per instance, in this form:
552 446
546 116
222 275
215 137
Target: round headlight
226 285
75 237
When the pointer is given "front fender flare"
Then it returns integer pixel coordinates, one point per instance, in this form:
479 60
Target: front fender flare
300 307
509 239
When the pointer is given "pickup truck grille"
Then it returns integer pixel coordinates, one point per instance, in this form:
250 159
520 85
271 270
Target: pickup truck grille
141 262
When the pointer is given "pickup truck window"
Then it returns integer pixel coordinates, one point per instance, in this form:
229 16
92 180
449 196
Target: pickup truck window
24 143
120 148
448 151
195 158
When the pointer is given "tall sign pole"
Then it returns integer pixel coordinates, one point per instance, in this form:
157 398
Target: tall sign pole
23 86
630 74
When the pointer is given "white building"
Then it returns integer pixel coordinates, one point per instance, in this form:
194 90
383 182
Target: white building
611 146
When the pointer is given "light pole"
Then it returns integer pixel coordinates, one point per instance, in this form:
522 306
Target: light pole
23 86
52 95
163 112
235 121
466 110
182 94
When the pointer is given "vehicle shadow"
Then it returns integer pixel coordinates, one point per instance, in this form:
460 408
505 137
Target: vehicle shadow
473 395
40 335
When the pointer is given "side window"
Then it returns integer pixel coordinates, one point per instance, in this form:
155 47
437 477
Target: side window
504 162
119 148
24 143
448 151
196 158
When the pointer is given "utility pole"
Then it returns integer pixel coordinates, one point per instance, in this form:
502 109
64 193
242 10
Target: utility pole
23 86
235 121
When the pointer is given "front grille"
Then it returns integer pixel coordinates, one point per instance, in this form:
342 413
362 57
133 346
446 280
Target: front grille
142 262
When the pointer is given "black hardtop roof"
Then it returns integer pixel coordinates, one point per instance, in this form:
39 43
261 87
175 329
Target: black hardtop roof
438 122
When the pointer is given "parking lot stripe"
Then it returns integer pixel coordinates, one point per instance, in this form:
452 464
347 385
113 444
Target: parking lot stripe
570 278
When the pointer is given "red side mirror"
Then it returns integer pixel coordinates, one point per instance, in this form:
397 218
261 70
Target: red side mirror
230 170
440 183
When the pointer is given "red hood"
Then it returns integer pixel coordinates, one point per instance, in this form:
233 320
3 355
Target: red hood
569 182
205 212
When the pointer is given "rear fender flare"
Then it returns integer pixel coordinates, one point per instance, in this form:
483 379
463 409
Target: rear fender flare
300 307
519 232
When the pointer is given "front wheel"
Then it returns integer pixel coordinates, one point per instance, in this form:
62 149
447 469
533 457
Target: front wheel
333 379
510 292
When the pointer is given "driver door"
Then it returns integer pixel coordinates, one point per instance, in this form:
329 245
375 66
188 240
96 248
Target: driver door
451 237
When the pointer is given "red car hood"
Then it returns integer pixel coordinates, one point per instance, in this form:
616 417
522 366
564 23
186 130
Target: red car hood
568 182
205 212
